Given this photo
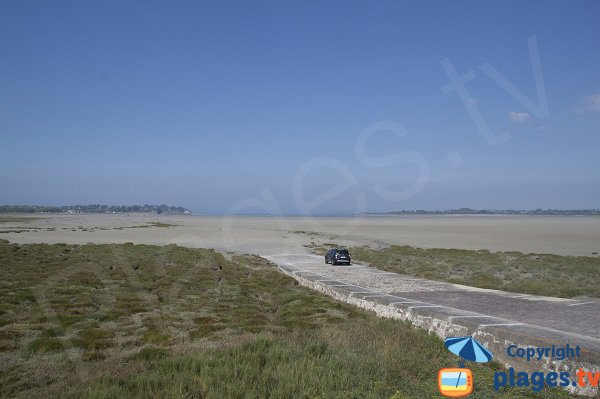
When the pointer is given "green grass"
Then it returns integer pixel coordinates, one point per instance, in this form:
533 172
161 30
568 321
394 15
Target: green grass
110 321
145 226
540 274
44 345
163 225
17 219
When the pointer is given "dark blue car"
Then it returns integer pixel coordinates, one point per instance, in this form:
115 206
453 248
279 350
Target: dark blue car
336 256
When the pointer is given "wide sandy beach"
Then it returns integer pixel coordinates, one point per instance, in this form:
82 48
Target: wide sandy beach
570 235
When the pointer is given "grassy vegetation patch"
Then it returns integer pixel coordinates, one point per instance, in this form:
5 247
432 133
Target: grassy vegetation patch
107 321
44 344
17 219
151 224
540 274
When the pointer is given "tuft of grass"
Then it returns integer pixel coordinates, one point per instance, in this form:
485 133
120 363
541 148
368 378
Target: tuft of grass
539 274
156 337
150 354
44 344
93 338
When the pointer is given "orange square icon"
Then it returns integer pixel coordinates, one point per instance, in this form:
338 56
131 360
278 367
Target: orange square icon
455 382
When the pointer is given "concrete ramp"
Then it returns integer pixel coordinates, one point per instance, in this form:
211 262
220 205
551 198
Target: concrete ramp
498 319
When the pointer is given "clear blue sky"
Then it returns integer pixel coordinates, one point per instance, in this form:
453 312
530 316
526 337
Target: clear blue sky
208 103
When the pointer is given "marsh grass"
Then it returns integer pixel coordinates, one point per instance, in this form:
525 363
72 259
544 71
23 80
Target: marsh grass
17 219
110 321
539 274
151 224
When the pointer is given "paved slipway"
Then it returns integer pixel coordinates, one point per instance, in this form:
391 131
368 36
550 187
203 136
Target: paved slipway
496 318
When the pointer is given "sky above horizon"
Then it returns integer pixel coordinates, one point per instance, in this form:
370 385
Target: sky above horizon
301 107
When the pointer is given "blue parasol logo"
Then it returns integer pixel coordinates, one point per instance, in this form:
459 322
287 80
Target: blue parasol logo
469 349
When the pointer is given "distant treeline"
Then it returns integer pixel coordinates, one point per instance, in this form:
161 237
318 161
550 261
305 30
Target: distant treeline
171 210
469 211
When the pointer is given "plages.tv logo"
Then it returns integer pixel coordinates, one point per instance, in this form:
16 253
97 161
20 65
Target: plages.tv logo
539 379
458 382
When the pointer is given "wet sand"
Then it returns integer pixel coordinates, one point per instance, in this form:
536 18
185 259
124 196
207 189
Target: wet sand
563 235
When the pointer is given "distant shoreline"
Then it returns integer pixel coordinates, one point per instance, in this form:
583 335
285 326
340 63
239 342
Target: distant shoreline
515 212
94 209
177 210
